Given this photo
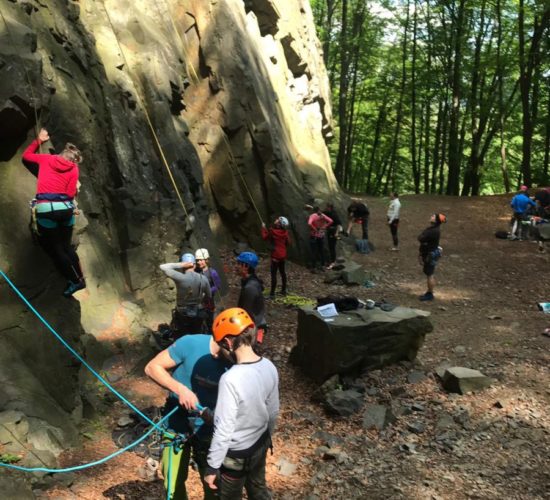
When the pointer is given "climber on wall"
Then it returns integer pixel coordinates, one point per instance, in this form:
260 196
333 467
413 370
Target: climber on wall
54 208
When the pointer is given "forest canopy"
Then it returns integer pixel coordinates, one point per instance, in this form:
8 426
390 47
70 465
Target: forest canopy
449 97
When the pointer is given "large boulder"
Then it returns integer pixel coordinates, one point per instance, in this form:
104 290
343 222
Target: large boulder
356 340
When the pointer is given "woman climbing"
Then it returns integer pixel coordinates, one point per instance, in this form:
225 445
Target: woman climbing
54 207
280 239
203 266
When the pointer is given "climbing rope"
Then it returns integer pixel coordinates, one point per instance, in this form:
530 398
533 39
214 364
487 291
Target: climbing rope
31 89
146 113
186 58
96 462
234 167
74 353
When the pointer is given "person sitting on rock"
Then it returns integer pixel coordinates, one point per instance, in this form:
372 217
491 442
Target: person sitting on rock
358 212
318 223
190 369
279 238
54 207
251 298
202 258
430 251
193 290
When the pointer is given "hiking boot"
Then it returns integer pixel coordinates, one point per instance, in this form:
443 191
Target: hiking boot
427 296
74 287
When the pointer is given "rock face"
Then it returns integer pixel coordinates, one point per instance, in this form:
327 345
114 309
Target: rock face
229 99
357 340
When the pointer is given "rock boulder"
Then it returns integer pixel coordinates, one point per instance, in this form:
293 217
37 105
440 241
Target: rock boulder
357 340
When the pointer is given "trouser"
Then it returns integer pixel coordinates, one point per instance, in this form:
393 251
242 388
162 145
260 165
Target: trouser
248 473
277 265
393 229
519 229
365 227
317 251
331 240
198 448
56 242
183 324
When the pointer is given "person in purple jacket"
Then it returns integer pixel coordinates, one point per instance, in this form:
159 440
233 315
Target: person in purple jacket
203 260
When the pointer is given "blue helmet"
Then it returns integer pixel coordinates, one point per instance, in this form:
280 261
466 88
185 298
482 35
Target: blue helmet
188 257
248 258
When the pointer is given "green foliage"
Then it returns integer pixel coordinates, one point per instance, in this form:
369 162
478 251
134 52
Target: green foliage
8 458
404 71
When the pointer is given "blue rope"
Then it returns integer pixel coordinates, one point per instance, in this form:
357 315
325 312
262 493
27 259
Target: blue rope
76 355
91 464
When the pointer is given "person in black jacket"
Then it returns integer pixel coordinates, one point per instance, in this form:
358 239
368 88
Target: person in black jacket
430 251
359 213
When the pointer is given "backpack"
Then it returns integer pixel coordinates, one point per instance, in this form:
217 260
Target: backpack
342 304
362 246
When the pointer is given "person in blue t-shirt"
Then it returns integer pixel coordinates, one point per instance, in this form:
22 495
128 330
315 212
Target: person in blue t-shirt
190 369
520 205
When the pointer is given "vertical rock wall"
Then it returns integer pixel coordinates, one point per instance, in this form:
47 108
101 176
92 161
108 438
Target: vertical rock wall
238 98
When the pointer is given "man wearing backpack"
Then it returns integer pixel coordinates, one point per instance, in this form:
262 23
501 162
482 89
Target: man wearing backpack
193 290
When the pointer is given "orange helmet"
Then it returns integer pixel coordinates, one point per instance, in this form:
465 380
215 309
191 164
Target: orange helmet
233 321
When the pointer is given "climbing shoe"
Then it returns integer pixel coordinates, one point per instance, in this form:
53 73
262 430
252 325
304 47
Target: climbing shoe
427 296
74 287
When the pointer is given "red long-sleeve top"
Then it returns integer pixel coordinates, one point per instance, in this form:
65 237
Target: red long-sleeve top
55 173
280 239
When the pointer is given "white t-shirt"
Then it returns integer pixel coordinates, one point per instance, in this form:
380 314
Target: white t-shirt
394 209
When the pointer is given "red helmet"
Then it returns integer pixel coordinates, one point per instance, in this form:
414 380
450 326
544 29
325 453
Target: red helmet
232 322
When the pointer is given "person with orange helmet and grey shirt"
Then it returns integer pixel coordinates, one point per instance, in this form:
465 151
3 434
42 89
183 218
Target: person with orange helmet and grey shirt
246 411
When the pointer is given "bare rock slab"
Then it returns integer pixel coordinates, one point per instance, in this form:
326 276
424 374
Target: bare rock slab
463 380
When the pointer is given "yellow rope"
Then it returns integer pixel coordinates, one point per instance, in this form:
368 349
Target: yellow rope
186 58
34 100
147 117
233 165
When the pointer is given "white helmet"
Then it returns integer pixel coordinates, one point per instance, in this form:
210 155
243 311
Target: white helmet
202 254
283 221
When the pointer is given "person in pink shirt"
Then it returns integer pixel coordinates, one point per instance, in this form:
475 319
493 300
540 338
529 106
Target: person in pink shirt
54 207
318 223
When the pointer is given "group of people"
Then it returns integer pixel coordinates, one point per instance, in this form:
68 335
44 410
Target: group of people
525 209
326 224
214 363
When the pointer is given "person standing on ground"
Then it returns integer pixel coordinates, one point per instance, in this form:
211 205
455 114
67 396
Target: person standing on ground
359 213
520 205
54 207
190 369
393 218
430 252
318 223
193 290
246 413
333 232
202 257
251 298
280 239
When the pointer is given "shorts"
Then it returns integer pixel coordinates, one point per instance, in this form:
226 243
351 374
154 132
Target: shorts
429 269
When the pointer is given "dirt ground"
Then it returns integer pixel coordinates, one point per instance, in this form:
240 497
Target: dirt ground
493 444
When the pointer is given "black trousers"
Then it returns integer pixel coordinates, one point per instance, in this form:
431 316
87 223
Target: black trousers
393 228
277 265
317 251
56 242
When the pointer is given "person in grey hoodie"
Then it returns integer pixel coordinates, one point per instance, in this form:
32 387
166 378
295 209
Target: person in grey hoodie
193 292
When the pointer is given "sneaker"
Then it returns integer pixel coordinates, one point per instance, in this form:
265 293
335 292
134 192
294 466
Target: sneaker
427 296
74 287
395 249
271 296
283 293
